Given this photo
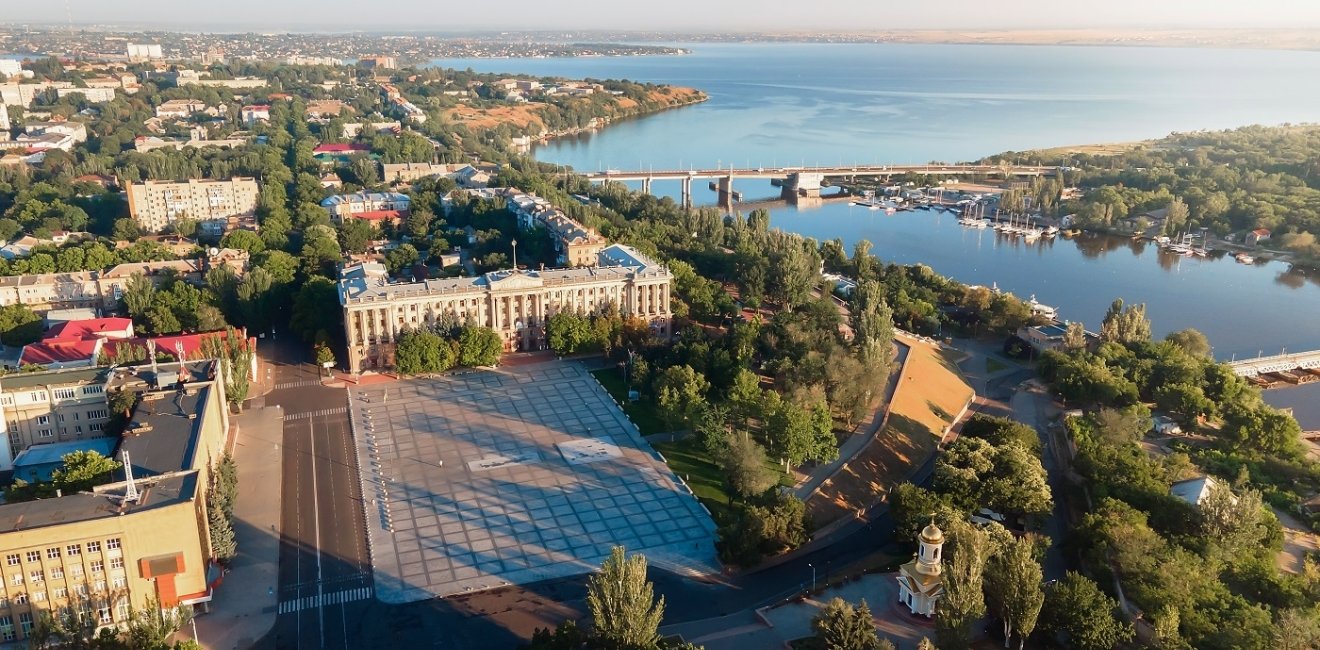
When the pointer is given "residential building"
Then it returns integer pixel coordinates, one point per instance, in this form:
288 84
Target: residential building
39 462
59 405
179 109
193 77
1194 491
139 52
16 94
75 130
411 171
61 353
921 581
352 129
1044 337
379 62
155 205
10 68
47 291
142 539
576 244
514 303
372 206
1257 236
470 177
97 328
94 95
255 113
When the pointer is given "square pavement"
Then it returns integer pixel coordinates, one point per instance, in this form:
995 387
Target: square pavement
492 477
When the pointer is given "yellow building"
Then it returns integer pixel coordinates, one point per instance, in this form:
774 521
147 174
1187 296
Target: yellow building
154 205
105 552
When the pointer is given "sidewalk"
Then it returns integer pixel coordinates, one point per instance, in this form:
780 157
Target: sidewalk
244 608
776 626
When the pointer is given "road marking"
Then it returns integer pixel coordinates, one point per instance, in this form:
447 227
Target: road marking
297 384
320 600
314 414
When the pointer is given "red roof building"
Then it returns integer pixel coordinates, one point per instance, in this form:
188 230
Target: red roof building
378 215
105 328
62 353
341 148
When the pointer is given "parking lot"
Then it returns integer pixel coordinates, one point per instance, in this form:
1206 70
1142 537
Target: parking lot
510 476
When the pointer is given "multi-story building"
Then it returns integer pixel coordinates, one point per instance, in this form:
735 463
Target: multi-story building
327 108
126 544
53 406
94 95
379 62
154 205
411 171
10 68
75 130
576 244
372 206
514 303
17 94
179 109
138 52
255 113
47 291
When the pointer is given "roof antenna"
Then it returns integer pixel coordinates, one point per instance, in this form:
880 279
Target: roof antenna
130 492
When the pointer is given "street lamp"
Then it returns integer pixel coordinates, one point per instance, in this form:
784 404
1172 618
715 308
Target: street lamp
813 575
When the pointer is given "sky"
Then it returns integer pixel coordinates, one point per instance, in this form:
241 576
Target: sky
685 15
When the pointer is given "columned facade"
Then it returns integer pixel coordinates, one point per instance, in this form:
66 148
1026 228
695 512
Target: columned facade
516 304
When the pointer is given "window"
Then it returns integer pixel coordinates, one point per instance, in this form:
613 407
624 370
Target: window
34 556
37 577
103 614
116 563
37 396
112 543
7 628
73 549
98 414
77 416
43 419
98 566
57 573
93 390
38 596
121 609
76 572
99 586
46 433
53 553
64 393
60 592
80 589
16 579
95 427
119 582
25 622
93 547
12 559
20 599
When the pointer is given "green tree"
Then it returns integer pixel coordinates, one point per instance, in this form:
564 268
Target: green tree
234 353
1191 341
1013 588
743 465
315 309
681 395
568 333
1084 616
151 626
873 325
840 626
422 352
355 235
912 507
1125 325
82 470
625 614
963 602
325 357
1237 523
243 240
19 325
1074 337
479 346
224 547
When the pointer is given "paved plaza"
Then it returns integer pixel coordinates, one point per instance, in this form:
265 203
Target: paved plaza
510 476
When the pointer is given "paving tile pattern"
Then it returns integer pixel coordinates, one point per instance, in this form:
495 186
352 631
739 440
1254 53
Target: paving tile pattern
441 524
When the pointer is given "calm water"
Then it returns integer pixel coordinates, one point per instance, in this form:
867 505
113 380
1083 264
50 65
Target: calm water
776 105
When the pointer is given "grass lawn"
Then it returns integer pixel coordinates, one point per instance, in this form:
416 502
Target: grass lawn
690 462
642 412
993 365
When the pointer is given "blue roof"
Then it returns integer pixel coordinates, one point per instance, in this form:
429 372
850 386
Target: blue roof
38 461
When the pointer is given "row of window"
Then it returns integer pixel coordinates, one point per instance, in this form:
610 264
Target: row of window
38 576
59 393
102 612
54 552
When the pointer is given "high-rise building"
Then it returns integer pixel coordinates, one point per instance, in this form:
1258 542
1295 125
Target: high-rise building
154 205
144 52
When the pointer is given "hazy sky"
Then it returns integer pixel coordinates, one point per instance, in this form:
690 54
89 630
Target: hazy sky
694 15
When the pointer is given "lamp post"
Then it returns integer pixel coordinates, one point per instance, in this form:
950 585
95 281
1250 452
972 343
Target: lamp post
813 575
515 255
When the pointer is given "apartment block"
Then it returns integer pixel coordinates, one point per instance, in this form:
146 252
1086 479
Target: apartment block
155 205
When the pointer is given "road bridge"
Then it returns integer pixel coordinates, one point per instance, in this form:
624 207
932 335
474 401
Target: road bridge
806 181
1285 362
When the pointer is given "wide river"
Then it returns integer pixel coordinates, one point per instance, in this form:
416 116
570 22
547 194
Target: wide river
799 104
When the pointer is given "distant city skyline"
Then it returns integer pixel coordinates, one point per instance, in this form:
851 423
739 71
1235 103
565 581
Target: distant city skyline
674 15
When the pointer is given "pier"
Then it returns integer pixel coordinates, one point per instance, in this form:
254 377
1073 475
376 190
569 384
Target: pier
805 182
1280 369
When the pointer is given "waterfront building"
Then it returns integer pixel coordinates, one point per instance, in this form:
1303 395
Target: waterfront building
143 537
155 205
514 303
576 244
921 582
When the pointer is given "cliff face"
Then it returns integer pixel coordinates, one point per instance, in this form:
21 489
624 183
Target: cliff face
547 120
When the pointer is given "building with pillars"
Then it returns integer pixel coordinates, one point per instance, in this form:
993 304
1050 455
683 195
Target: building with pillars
921 581
514 303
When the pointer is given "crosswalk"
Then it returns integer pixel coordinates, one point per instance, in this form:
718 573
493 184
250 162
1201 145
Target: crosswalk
313 414
297 384
321 600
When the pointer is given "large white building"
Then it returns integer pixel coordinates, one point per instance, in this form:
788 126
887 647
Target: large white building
154 205
921 581
144 52
514 303
10 68
371 206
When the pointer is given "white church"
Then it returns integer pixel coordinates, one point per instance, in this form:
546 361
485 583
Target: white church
920 584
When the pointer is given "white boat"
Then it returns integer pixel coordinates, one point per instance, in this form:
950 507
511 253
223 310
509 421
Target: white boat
1031 235
1244 258
1040 309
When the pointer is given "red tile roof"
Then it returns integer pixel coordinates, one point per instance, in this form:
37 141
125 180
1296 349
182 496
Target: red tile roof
83 329
1260 232
169 344
377 215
